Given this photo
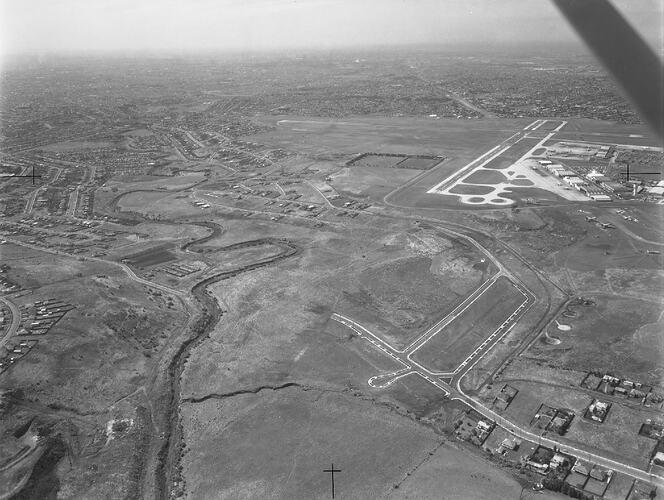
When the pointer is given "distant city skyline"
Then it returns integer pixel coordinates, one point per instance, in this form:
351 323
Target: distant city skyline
43 26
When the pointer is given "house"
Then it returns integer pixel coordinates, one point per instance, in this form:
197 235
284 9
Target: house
658 459
599 473
510 444
538 467
597 410
580 468
483 426
558 460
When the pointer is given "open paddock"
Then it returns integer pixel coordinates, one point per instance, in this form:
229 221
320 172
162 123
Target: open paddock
617 335
399 300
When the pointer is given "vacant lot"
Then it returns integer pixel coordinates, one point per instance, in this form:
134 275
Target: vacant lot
371 182
464 476
275 444
459 338
403 296
617 335
250 436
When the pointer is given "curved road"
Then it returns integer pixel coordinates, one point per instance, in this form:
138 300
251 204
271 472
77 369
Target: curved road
455 392
16 318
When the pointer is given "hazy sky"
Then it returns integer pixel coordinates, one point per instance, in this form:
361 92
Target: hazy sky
156 25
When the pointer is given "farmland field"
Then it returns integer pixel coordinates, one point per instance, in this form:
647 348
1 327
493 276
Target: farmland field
419 163
376 160
151 257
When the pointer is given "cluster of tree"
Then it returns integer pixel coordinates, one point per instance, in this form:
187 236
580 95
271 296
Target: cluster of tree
556 483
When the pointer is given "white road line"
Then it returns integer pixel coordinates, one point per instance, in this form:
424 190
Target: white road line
536 122
438 327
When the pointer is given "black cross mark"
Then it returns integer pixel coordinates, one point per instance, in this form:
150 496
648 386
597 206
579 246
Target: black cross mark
32 175
331 471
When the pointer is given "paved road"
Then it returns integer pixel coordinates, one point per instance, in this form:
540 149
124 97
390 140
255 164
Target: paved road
469 301
565 448
403 356
122 266
327 202
71 204
33 196
455 392
16 319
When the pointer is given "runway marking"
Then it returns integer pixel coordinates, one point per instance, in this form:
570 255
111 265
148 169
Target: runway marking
498 191
411 366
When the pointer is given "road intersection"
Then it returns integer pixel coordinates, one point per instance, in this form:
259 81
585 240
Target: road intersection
450 383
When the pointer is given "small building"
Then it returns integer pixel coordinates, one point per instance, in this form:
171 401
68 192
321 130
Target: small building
590 189
510 444
597 410
614 186
658 459
558 460
483 426
574 181
599 178
538 467
580 468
